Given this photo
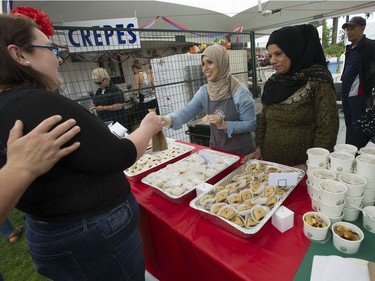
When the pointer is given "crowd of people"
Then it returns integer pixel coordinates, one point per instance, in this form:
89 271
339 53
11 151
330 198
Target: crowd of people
66 173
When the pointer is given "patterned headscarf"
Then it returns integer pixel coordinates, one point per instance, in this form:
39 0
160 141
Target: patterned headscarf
225 84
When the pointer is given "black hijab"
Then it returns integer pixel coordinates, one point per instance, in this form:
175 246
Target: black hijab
302 45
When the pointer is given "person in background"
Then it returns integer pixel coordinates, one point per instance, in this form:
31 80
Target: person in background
81 217
228 104
299 102
13 235
32 155
143 86
358 76
108 101
364 129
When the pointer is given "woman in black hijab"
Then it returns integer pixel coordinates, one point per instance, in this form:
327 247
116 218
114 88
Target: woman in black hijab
299 102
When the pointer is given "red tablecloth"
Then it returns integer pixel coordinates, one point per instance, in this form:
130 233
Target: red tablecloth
181 245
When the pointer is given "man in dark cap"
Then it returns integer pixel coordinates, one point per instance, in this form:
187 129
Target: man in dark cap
358 77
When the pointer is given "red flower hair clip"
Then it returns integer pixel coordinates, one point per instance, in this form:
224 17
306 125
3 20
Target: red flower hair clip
40 17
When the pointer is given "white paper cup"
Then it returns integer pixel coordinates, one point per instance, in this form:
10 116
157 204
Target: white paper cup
354 183
344 245
366 203
365 165
341 161
368 223
310 168
317 156
367 150
316 233
332 192
318 175
353 200
312 190
350 214
330 210
314 203
369 194
346 148
339 173
370 180
336 219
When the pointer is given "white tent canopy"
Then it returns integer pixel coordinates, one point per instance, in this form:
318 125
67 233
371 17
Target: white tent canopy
260 16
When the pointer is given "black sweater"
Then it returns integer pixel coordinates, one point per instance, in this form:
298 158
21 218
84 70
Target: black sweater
87 182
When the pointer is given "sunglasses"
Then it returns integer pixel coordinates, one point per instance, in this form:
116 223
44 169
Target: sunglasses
98 83
53 49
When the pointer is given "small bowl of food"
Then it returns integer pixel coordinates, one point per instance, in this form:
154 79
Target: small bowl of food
347 237
315 226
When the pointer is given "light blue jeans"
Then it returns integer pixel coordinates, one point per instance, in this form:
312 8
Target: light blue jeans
104 247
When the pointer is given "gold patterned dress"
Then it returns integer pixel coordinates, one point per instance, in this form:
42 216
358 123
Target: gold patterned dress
308 118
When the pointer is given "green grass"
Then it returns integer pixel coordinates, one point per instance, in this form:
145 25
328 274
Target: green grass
15 261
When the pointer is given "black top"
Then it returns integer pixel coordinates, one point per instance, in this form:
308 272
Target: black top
351 71
366 64
87 182
111 95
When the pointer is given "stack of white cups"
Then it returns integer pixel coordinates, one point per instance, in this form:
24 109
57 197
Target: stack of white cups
341 162
355 185
317 163
317 159
357 174
331 200
365 167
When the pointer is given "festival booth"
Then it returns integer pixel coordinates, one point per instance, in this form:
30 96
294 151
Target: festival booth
184 242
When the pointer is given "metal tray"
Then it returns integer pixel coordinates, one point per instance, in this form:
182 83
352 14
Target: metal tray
227 224
162 162
186 167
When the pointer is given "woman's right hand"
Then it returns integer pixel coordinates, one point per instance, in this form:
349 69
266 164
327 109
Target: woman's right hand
150 125
257 154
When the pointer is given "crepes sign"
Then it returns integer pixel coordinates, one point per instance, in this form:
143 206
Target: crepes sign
93 39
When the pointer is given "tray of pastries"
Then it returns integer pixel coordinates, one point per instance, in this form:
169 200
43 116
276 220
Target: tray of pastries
243 201
176 182
152 161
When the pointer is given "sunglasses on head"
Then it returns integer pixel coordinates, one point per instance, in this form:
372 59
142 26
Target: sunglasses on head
98 83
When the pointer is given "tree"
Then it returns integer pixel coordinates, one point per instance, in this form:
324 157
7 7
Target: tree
335 23
334 50
326 34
